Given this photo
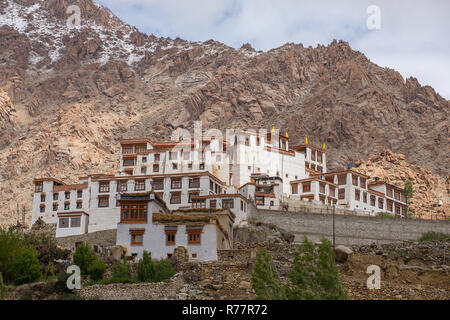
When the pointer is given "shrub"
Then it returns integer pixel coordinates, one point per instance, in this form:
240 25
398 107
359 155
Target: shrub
314 275
3 289
46 248
164 270
121 273
97 269
434 236
146 268
83 257
26 267
385 215
265 279
11 245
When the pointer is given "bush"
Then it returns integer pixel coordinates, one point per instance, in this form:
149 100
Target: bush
11 246
265 279
121 273
146 269
46 248
164 270
385 215
314 275
3 289
97 269
83 257
434 236
26 267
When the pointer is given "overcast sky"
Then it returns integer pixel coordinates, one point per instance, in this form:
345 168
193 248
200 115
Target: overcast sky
414 36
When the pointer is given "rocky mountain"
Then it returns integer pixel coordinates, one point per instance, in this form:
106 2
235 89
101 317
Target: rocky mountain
68 94
431 192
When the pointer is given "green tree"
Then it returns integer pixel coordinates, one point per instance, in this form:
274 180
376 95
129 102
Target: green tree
3 289
265 279
83 257
314 275
11 246
164 270
146 268
408 190
121 273
26 266
97 269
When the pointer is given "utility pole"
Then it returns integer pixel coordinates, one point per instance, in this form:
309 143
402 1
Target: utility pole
334 228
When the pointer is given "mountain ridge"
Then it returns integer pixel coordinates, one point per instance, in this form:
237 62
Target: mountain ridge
68 95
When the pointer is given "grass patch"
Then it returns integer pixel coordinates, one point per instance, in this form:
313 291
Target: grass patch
434 236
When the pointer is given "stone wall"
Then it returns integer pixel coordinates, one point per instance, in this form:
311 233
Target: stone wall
350 229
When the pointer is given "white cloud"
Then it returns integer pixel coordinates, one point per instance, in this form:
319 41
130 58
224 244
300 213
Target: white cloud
413 38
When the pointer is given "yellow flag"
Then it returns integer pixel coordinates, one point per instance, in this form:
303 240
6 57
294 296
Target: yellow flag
287 135
306 140
323 147
273 128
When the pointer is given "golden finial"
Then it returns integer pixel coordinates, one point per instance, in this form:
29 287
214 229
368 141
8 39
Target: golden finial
273 128
323 146
287 136
306 140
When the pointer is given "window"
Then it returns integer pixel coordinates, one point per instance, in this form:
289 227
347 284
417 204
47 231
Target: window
372 201
355 180
175 197
342 179
194 183
122 186
137 237
139 185
39 187
103 202
319 157
211 185
158 184
201 166
175 183
141 148
129 162
228 203
173 155
42 208
79 193
132 212
42 197
190 165
313 155
63 222
67 206
271 203
75 222
257 141
259 200
186 155
294 188
397 195
103 187
357 194
380 203
321 187
332 191
126 149
242 205
341 194
196 193
170 237
79 204
144 170
55 196
364 197
397 209
306 187
144 159
213 204
389 205
157 157
174 166
155 167
198 203
362 181
67 195
55 207
193 235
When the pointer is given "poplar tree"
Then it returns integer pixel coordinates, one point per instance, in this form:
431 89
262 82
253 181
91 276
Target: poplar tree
265 279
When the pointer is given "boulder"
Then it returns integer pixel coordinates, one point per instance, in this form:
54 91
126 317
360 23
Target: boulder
245 285
342 253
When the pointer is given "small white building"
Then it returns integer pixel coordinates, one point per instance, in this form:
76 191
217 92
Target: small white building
72 223
147 224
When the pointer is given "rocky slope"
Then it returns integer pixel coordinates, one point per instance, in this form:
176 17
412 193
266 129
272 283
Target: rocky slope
67 95
430 191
